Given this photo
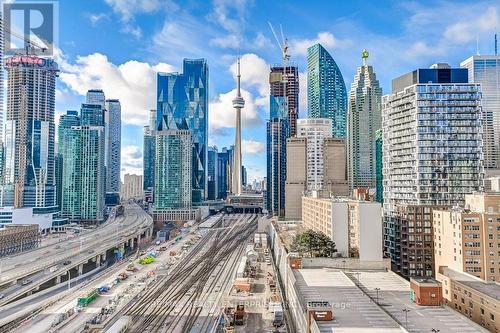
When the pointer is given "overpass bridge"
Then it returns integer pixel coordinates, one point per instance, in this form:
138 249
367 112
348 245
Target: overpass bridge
32 271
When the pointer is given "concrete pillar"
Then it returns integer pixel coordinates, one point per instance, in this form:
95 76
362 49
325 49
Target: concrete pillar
98 260
103 256
80 269
132 243
58 279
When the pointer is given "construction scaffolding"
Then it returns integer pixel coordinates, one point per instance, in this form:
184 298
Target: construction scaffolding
18 238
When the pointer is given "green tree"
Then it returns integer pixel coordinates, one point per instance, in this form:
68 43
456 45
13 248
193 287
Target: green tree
313 244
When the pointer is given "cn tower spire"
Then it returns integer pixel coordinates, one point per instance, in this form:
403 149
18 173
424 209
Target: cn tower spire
238 104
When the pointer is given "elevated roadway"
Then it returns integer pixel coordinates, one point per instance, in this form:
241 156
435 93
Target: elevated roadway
28 272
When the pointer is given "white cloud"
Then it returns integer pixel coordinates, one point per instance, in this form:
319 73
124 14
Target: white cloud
229 14
222 114
131 160
128 8
472 27
254 72
252 147
254 75
176 39
229 41
327 39
132 82
96 18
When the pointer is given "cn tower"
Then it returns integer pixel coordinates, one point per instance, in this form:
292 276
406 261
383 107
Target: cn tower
238 104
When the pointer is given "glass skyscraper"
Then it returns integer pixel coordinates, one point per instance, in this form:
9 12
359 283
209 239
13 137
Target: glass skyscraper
364 119
172 186
326 90
182 104
224 167
432 157
277 133
113 163
83 171
96 97
29 174
212 173
485 69
148 153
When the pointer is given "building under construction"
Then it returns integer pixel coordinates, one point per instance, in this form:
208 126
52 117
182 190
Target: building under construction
18 238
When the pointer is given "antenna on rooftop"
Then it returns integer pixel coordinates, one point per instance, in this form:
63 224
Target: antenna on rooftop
496 45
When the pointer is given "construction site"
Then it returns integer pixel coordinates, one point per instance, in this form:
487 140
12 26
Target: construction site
254 303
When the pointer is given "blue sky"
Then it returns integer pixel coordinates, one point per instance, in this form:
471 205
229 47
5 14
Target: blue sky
119 45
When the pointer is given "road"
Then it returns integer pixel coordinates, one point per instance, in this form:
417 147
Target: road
45 263
188 299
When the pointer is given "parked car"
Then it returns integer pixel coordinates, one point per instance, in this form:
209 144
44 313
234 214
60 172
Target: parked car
2 296
66 262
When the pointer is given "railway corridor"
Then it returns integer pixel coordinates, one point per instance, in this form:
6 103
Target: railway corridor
189 298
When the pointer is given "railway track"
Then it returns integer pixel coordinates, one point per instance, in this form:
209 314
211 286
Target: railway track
172 303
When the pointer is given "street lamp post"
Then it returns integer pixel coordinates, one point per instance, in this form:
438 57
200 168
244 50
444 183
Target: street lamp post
377 290
357 275
406 316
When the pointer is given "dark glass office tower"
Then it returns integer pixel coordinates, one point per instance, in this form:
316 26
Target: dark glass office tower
182 104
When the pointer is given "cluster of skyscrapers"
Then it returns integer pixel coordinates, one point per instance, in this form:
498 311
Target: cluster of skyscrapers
180 170
422 148
89 150
51 182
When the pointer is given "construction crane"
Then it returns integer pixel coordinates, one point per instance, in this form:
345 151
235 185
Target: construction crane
30 45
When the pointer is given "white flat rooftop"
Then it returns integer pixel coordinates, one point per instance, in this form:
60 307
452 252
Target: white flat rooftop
353 311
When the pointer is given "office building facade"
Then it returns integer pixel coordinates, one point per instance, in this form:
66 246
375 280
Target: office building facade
326 90
485 69
96 97
432 147
364 119
277 134
224 172
212 169
296 176
182 104
148 152
334 163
